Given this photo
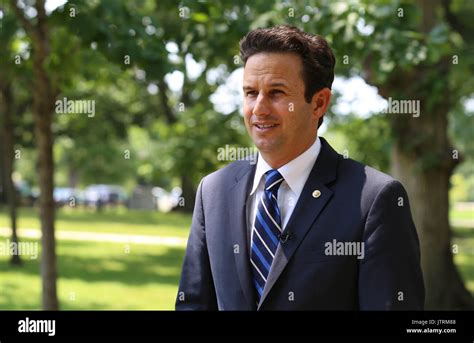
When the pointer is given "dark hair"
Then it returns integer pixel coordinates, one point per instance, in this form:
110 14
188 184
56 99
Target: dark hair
316 54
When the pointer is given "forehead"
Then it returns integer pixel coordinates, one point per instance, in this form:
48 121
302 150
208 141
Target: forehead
270 66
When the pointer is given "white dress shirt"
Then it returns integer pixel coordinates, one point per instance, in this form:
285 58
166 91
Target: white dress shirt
295 173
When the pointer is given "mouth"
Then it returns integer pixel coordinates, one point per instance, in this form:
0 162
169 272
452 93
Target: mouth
265 127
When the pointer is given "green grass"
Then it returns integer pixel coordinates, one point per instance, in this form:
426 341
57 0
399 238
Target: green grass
456 214
97 275
101 275
119 220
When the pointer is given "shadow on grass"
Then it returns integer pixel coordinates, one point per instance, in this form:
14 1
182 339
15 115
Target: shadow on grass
9 299
137 268
463 232
114 215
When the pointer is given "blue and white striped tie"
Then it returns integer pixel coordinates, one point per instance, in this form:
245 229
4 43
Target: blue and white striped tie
266 231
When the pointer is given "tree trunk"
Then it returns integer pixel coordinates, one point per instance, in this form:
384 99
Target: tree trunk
46 167
428 194
8 159
423 160
189 194
73 177
43 119
44 95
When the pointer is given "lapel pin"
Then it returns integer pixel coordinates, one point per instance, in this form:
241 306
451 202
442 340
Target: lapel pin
316 193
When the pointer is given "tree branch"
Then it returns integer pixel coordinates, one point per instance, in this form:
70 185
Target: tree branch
169 114
42 27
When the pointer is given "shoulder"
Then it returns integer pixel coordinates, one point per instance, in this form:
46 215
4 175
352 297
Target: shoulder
352 176
349 168
369 182
227 175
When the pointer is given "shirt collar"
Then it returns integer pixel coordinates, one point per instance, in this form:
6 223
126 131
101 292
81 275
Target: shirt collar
295 172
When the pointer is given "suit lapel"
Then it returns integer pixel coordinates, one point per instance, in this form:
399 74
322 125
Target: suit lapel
238 229
306 211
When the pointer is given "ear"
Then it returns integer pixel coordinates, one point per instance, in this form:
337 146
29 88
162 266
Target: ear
320 102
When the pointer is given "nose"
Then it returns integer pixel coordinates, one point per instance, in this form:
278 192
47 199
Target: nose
261 106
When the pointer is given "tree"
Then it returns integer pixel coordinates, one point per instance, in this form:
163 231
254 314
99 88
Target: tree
13 104
8 157
44 95
423 157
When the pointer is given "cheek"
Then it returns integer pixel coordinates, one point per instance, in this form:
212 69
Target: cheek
247 108
287 106
247 112
286 110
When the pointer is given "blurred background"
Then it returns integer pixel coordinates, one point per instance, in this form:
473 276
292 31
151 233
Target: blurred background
112 111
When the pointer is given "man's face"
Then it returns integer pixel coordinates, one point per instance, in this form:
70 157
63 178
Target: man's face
278 119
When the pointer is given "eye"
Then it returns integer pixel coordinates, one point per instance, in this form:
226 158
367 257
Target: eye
250 93
276 92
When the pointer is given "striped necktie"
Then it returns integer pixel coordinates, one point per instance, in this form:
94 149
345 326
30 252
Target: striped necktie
266 231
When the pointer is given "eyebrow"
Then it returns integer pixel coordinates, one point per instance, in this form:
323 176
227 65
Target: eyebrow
278 84
273 84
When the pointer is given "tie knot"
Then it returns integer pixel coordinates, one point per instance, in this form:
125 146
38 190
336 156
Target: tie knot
273 180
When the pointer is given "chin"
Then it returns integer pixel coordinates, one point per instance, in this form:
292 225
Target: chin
267 146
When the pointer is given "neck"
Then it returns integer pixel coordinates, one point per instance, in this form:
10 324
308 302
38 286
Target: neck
276 161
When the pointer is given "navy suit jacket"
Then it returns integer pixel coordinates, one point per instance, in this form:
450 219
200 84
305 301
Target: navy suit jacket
357 204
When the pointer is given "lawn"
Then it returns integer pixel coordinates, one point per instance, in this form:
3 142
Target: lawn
106 275
98 275
461 215
119 220
102 275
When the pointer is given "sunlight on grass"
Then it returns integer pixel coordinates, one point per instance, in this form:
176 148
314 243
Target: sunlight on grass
456 214
20 291
110 221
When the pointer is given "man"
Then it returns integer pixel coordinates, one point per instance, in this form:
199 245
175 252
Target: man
304 228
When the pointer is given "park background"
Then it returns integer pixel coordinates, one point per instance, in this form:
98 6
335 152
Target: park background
107 196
